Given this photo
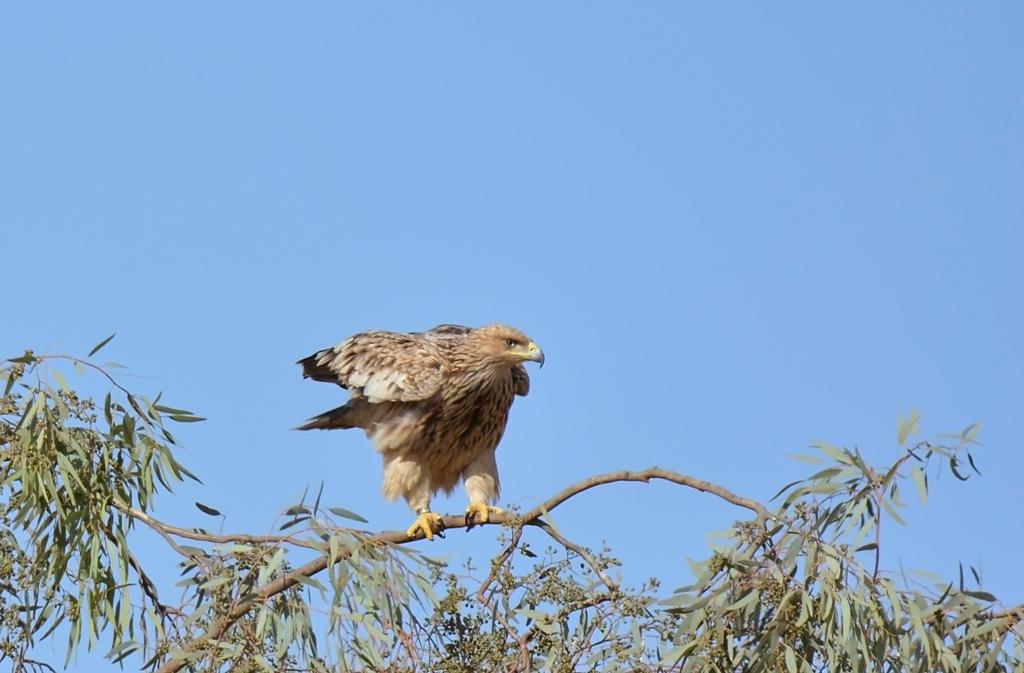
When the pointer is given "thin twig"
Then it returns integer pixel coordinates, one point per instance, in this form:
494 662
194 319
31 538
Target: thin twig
499 560
91 365
481 597
581 551
878 532
149 588
145 583
589 602
241 538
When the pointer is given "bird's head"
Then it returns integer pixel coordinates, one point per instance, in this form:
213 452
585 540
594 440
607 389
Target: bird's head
508 345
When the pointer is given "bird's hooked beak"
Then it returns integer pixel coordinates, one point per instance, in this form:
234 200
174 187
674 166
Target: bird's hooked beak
533 352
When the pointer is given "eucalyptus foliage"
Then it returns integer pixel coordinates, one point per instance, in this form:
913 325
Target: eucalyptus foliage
797 588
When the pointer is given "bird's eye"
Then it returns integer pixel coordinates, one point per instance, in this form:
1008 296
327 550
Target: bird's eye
511 343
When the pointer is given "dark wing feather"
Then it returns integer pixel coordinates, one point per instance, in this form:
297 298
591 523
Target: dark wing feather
520 381
382 366
448 329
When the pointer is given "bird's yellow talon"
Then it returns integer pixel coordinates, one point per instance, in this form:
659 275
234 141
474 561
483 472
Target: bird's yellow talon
479 512
427 523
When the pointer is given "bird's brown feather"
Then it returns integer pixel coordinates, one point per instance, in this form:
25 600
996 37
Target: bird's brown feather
431 402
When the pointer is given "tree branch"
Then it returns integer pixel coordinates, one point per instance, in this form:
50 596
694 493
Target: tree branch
639 475
532 517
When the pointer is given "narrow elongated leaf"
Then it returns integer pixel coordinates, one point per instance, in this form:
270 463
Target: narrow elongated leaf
164 409
206 509
970 432
805 458
787 487
791 660
297 520
347 514
970 459
922 483
671 657
267 571
186 419
97 347
316 503
834 452
983 629
214 583
908 425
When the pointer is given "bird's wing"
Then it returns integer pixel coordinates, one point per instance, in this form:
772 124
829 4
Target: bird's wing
381 366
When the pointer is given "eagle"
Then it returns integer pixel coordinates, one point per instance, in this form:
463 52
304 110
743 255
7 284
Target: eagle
433 403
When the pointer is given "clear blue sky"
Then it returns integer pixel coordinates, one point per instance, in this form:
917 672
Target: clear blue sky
733 231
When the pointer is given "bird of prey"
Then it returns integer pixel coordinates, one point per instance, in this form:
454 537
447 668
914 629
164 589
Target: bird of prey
433 403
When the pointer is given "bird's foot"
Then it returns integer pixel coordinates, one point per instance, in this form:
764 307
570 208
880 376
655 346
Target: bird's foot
427 523
480 512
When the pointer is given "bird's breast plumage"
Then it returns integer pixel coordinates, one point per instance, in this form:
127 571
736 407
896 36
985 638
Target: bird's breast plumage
467 419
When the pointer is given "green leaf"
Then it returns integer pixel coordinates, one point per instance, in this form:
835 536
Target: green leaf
907 426
786 488
980 595
267 571
970 432
956 473
983 629
921 479
834 452
743 602
214 583
97 347
827 473
791 660
206 509
347 514
535 615
297 520
893 513
316 503
927 574
308 581
261 621
546 515
970 459
670 658
803 457
186 419
164 409
60 380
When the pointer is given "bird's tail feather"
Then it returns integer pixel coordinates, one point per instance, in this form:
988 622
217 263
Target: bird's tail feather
341 417
317 367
